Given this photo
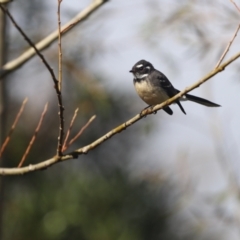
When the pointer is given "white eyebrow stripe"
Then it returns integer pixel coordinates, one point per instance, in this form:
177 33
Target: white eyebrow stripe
140 65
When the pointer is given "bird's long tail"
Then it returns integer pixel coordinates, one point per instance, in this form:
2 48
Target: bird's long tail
201 101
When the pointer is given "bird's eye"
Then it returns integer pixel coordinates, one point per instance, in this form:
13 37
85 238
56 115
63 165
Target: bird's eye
141 68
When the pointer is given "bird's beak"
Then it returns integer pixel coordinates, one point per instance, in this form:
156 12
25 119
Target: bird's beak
131 71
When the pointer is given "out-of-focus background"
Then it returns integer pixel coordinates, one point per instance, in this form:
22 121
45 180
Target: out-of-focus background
166 177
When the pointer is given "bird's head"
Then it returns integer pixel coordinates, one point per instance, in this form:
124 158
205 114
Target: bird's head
141 69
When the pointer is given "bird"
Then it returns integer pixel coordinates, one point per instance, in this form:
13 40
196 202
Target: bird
153 87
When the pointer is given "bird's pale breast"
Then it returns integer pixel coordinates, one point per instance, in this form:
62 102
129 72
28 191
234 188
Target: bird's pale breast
150 94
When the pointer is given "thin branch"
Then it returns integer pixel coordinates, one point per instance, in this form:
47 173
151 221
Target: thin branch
69 130
228 47
59 95
80 132
235 5
34 136
61 109
86 149
47 41
13 126
59 47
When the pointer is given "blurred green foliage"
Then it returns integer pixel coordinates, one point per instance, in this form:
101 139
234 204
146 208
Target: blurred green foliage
84 205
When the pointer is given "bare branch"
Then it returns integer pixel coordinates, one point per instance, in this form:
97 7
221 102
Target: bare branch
59 47
47 41
80 132
69 130
13 126
235 5
34 136
86 149
59 95
61 109
228 47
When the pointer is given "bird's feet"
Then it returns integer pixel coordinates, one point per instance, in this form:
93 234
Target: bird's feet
151 107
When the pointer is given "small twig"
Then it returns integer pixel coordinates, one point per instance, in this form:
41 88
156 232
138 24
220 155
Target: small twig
59 47
69 130
228 47
235 5
59 95
13 126
34 136
80 132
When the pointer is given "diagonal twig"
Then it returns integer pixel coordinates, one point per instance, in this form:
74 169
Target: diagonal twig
69 130
34 136
235 5
47 41
59 95
13 126
228 47
80 132
86 149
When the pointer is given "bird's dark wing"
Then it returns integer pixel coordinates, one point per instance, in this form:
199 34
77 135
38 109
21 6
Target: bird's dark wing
168 87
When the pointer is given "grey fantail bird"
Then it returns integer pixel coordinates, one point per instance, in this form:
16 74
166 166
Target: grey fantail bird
153 87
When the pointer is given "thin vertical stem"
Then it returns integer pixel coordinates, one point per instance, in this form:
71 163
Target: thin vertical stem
59 47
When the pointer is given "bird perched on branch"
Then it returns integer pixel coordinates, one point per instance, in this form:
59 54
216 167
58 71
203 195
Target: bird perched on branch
153 87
